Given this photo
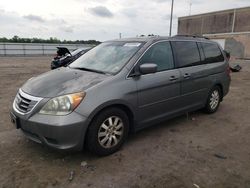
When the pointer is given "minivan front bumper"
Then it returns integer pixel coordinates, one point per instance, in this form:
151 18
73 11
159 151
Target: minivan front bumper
59 132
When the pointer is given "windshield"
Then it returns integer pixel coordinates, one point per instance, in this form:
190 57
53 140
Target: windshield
107 57
76 51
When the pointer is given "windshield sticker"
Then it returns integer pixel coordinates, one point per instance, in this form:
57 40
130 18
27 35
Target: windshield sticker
134 44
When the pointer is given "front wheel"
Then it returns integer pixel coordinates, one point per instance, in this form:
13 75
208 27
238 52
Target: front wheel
213 101
108 131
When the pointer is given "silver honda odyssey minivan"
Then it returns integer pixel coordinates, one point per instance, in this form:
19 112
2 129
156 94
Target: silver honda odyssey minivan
118 87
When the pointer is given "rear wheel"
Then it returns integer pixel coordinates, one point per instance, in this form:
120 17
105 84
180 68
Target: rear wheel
108 131
213 101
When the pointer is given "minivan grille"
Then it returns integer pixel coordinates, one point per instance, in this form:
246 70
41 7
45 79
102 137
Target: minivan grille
24 103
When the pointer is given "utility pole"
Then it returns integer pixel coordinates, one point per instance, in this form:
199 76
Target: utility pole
171 19
190 7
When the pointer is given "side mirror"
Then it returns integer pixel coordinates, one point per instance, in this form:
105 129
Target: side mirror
148 68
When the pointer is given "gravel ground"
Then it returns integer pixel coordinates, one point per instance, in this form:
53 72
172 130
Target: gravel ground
193 151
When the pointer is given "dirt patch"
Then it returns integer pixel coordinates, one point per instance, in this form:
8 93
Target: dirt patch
202 150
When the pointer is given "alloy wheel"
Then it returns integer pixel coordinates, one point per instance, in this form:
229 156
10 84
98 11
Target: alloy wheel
110 132
214 99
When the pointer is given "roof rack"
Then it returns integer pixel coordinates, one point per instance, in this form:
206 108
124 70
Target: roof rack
193 36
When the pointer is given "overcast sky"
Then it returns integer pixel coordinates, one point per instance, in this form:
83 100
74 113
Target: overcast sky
99 19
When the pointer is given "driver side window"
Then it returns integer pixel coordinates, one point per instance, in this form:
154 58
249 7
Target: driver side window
159 54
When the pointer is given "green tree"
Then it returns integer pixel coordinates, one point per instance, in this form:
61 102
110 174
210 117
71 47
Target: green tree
17 39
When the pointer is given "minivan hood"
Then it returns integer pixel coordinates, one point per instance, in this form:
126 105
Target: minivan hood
62 81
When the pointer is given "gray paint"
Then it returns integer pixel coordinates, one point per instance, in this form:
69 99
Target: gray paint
150 98
52 83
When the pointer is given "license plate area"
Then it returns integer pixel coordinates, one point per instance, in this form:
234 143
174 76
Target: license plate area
14 120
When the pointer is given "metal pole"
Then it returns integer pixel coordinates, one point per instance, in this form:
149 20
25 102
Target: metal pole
4 49
190 8
43 48
24 53
202 25
233 21
171 19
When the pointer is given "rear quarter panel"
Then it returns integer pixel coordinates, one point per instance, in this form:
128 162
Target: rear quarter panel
218 75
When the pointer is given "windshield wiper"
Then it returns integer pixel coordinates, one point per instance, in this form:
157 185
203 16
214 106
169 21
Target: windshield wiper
90 70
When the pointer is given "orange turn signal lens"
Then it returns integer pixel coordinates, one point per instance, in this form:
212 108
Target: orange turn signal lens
76 99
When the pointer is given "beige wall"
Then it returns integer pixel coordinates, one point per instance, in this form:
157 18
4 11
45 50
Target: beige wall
232 25
237 45
234 20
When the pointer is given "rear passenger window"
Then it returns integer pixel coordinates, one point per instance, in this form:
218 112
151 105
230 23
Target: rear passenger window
187 53
161 55
212 53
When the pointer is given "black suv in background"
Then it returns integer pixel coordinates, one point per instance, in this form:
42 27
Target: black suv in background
64 57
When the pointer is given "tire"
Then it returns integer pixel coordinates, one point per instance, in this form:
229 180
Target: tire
213 100
108 131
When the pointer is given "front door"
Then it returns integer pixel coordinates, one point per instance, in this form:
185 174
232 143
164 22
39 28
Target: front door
158 92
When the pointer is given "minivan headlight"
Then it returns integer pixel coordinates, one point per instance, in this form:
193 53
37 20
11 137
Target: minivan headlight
62 105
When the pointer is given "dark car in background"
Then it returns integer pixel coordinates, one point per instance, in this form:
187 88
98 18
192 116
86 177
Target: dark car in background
64 57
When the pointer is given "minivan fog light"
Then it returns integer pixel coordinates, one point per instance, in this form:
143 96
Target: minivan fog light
62 105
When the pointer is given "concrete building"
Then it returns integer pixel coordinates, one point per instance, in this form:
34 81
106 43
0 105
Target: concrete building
230 28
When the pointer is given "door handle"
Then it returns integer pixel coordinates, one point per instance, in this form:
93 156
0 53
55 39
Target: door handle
173 78
187 75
